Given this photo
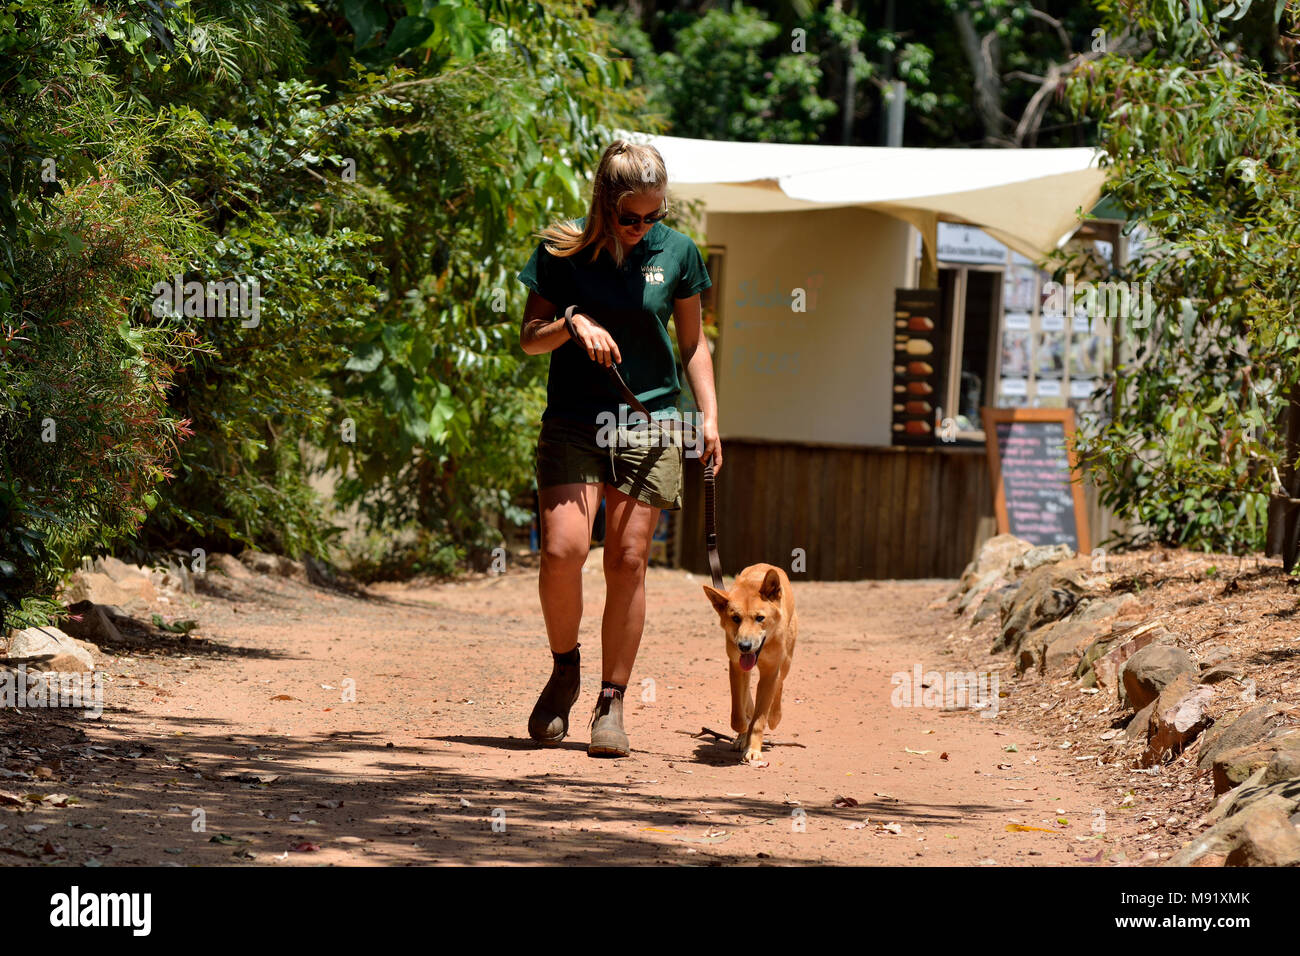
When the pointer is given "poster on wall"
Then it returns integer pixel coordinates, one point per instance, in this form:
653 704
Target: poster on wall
1016 342
1013 393
1049 359
1088 350
1020 288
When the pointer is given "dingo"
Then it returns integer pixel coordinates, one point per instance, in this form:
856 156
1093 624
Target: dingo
757 615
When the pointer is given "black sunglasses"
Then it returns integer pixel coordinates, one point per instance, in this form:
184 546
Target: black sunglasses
628 219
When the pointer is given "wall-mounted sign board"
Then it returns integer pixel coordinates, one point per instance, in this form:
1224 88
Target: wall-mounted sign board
920 364
1036 494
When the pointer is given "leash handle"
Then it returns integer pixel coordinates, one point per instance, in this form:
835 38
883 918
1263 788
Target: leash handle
711 526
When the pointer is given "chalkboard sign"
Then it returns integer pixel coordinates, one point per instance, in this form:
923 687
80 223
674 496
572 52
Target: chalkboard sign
1031 464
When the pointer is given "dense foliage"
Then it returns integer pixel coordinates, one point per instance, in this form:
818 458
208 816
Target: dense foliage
1201 136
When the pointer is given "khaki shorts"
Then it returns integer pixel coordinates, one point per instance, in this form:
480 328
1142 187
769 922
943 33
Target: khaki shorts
643 462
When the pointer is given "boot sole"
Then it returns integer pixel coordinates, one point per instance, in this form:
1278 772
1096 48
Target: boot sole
605 751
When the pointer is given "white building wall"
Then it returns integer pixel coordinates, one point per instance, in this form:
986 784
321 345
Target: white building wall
824 375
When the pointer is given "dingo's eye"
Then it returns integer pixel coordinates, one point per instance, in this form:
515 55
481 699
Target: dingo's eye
758 617
736 618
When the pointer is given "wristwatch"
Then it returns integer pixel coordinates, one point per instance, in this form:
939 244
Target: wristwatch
568 323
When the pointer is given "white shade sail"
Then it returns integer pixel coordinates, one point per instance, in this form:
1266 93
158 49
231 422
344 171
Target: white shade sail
1026 198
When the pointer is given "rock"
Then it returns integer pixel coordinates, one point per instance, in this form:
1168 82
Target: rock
48 648
1247 728
229 566
1216 654
1077 632
995 602
1150 670
1139 728
1126 641
978 590
119 570
1233 767
1029 656
95 624
1036 557
1069 639
1179 716
99 588
1097 609
1046 594
260 562
1249 823
273 564
1107 667
996 554
1222 672
1266 838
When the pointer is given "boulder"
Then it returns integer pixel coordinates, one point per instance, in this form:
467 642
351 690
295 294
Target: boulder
1266 838
1121 643
98 588
1046 594
1221 672
1069 639
995 555
1139 728
95 624
1036 557
1098 608
1247 728
1247 828
49 649
229 566
995 602
979 590
1233 767
1217 654
272 564
1107 667
1180 714
1029 656
1150 670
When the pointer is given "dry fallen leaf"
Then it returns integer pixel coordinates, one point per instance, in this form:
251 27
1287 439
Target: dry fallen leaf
917 752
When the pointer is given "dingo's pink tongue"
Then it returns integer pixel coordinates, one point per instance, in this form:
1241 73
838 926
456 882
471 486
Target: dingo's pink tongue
747 661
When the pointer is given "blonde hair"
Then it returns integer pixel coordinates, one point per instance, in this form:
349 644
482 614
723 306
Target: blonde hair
626 169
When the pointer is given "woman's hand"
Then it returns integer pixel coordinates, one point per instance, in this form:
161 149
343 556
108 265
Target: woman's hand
598 343
712 445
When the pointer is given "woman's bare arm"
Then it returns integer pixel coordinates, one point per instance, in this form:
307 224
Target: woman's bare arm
539 333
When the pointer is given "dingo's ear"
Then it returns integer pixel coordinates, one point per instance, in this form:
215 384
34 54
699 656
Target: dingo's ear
771 589
719 598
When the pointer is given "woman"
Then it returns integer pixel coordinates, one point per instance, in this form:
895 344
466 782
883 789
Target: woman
626 274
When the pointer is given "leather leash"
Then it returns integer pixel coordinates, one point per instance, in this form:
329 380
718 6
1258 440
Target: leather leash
710 518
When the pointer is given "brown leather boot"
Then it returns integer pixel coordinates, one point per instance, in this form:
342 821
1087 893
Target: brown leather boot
549 721
607 736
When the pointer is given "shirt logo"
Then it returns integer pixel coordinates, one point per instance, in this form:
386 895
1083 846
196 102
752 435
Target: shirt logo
654 275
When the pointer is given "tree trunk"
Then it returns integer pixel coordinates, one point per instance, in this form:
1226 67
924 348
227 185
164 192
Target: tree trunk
982 52
1283 516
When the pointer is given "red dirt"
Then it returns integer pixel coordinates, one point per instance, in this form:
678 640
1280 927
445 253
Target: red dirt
436 742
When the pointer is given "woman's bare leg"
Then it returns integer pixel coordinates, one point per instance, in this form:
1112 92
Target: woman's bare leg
567 513
629 527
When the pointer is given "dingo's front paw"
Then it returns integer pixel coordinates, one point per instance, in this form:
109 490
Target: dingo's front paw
753 754
740 741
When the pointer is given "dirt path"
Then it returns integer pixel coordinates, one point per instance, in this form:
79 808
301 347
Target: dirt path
253 731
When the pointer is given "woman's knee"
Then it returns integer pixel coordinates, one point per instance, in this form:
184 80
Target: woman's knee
627 561
561 553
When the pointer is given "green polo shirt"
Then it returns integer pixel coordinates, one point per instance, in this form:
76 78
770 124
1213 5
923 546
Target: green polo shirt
634 303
